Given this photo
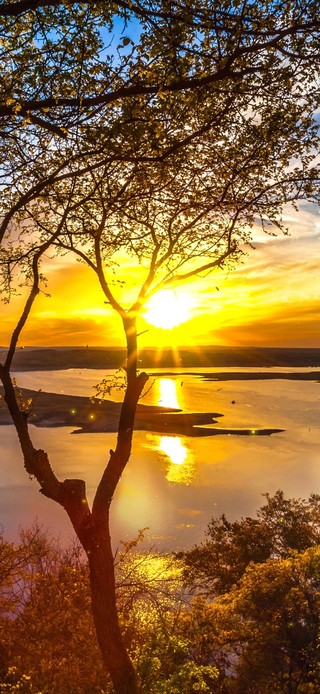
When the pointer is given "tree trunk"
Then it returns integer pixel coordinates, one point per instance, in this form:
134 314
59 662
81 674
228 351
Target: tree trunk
105 615
99 550
92 527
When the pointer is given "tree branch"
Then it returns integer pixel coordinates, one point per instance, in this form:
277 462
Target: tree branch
118 458
202 268
103 283
25 314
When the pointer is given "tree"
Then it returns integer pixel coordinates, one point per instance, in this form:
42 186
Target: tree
170 151
230 62
262 634
262 629
269 626
281 525
52 610
46 628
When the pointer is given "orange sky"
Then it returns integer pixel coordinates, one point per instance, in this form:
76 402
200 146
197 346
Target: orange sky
272 299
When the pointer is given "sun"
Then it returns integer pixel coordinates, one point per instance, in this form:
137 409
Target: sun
166 309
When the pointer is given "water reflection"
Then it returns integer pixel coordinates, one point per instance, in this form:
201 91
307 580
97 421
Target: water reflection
180 460
174 449
168 394
181 463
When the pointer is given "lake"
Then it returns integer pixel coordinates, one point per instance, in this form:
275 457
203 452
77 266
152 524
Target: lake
173 485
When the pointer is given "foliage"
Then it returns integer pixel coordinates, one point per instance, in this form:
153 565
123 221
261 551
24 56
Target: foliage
260 636
204 127
47 632
151 601
269 625
46 629
281 525
263 634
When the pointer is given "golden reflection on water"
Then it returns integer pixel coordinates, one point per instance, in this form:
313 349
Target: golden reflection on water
168 393
180 459
174 449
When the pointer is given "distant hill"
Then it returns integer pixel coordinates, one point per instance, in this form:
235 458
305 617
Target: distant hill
44 359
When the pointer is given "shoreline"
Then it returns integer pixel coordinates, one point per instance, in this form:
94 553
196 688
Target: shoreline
244 375
61 358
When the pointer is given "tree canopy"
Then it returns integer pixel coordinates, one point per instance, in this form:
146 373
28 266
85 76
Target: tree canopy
86 85
280 527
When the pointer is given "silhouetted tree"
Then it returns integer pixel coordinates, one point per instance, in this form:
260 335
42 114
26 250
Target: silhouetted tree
169 147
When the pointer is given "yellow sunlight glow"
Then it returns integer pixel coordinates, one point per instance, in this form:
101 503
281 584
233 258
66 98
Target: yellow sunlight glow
166 309
180 468
168 396
174 449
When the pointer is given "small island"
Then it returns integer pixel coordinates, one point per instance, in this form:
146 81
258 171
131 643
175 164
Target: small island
95 415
